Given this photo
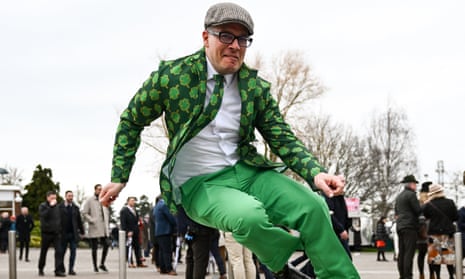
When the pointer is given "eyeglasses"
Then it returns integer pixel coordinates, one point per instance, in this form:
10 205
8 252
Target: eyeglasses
228 38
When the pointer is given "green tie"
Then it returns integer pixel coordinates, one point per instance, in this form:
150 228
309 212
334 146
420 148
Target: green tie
212 108
205 117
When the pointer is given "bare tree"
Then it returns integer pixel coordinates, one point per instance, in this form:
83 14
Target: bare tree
391 155
293 84
456 187
79 195
13 177
337 147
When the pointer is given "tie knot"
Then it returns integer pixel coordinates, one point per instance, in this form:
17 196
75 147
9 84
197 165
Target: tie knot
218 79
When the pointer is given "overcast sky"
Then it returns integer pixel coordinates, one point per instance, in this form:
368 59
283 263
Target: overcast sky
68 68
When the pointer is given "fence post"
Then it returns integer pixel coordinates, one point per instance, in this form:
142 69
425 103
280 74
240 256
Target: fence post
12 253
122 254
458 255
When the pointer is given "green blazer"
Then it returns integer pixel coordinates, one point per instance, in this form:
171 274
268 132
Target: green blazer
177 91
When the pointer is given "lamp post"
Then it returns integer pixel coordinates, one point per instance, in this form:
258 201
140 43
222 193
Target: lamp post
440 171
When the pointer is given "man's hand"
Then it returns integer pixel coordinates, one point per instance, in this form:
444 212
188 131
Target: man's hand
110 192
344 235
53 202
331 185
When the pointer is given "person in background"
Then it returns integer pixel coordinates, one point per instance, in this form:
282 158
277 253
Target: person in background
24 226
461 226
395 239
73 228
51 228
240 258
407 209
198 239
13 223
441 213
216 253
129 219
165 228
340 219
422 242
146 235
98 219
5 224
381 238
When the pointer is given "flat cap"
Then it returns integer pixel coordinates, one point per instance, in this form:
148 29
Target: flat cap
223 13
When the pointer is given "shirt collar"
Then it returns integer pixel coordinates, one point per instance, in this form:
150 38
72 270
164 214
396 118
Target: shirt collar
211 72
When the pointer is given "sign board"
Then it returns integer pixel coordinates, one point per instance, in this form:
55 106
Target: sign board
353 207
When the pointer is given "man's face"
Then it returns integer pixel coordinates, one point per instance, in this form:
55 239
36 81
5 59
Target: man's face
51 198
131 202
413 186
24 210
225 58
69 197
98 190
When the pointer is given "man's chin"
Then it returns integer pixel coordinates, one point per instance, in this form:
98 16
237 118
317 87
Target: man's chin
229 69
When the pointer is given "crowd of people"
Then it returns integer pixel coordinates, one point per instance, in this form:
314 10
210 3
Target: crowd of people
424 222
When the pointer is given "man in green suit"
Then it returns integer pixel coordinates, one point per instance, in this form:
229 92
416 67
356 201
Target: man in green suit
212 103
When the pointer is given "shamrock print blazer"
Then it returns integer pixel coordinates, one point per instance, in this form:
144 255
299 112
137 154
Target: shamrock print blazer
177 92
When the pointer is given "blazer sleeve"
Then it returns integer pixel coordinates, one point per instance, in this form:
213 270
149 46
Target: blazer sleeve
283 142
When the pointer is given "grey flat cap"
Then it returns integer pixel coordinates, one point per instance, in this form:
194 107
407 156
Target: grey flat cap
223 13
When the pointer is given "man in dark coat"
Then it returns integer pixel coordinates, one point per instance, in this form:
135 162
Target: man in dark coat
50 226
407 210
165 228
24 226
130 224
5 224
72 228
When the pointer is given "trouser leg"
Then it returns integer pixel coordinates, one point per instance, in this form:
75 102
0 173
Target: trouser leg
72 253
407 247
215 251
27 249
46 240
104 250
21 247
94 246
200 254
249 202
59 253
137 250
165 252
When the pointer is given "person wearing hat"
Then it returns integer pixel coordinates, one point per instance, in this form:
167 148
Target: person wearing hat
422 241
212 103
407 209
441 213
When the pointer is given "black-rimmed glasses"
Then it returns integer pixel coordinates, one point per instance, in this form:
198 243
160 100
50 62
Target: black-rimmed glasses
228 38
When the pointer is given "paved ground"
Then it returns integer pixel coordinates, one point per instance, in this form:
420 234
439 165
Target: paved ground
365 262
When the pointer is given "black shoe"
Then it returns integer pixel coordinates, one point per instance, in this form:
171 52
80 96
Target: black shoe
95 269
60 274
27 260
41 273
103 267
72 272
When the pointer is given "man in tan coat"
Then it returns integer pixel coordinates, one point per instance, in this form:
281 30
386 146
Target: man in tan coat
97 217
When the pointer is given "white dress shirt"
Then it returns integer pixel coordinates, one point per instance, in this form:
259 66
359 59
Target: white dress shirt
214 147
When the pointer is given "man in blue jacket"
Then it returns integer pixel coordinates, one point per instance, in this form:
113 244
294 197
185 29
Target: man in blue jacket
165 228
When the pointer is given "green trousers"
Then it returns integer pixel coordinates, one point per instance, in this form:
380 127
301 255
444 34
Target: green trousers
252 203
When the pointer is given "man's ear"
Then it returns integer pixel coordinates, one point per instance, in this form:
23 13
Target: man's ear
205 38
